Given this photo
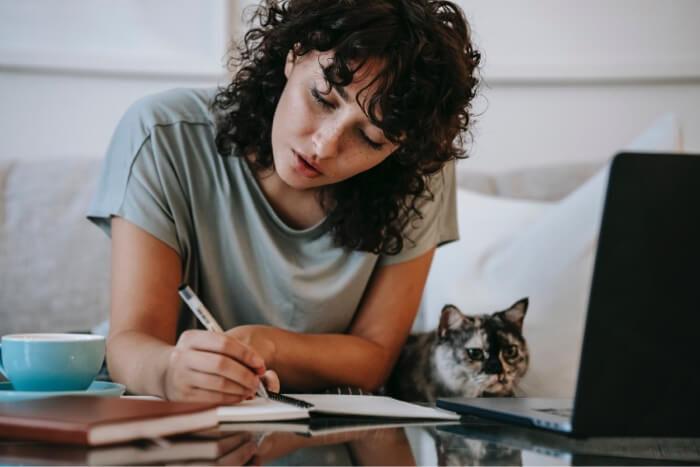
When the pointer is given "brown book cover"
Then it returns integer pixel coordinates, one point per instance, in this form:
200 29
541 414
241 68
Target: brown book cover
101 420
177 450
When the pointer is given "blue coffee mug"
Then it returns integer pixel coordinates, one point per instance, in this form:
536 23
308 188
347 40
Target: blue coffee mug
51 362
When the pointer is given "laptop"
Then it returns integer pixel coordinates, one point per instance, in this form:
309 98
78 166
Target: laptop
639 370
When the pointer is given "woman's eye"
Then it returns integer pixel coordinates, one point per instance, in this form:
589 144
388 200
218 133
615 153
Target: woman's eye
510 351
475 354
317 97
372 144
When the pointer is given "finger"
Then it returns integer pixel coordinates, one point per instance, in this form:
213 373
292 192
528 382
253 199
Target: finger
255 460
234 441
217 364
222 344
239 456
271 381
217 383
204 395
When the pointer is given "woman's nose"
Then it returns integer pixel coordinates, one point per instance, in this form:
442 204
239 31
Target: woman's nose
326 140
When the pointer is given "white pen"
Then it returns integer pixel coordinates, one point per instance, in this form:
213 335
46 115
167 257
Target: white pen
204 317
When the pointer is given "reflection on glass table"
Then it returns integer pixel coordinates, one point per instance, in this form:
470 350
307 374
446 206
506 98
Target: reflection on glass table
336 441
228 446
542 447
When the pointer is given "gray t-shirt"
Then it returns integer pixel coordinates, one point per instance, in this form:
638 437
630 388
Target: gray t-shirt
163 174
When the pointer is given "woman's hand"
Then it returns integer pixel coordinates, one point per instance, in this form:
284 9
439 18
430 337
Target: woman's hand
271 381
207 366
240 449
142 349
257 337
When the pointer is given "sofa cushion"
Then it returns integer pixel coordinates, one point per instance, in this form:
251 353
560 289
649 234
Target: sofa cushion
55 264
545 183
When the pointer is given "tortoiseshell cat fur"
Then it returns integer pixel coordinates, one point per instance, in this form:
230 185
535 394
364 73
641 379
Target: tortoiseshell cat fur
467 355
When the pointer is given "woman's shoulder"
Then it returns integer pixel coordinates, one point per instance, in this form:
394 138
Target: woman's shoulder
165 136
177 116
177 105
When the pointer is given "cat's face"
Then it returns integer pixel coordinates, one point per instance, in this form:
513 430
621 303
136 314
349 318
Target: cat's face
482 354
458 449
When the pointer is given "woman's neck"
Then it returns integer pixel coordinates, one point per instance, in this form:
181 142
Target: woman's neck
299 209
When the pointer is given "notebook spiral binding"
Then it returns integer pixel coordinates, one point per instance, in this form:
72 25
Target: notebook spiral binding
275 396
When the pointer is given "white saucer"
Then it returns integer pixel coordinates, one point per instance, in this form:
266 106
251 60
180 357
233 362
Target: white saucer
97 388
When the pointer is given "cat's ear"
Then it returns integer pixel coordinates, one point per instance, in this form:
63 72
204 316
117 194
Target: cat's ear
450 318
516 313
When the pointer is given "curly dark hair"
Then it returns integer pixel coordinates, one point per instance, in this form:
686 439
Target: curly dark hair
424 91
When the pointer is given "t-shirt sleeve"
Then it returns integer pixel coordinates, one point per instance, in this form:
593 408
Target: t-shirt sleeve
438 224
137 182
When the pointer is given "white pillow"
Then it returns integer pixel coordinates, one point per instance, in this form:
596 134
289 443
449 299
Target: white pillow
511 248
551 262
486 225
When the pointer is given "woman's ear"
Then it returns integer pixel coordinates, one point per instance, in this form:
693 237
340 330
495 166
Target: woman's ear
289 64
292 56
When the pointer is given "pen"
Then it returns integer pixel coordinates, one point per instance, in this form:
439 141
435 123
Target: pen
204 317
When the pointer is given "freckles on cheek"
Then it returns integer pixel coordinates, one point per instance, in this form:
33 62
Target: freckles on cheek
367 159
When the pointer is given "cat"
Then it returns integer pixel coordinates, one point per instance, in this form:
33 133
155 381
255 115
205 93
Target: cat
467 355
460 449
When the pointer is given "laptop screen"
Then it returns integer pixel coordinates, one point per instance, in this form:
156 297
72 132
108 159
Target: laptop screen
639 365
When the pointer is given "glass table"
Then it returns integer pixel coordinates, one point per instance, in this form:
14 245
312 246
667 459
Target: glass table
335 441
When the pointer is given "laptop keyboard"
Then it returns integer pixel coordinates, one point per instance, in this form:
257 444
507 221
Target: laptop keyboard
561 412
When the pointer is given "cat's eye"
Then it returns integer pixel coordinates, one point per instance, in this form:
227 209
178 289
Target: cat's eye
510 351
475 354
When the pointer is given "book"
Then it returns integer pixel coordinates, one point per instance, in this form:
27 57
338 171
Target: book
101 420
260 409
176 450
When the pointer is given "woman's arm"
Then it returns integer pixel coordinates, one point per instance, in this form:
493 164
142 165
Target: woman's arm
143 354
142 351
362 358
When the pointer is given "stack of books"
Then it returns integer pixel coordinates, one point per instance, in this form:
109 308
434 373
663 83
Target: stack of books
141 430
97 421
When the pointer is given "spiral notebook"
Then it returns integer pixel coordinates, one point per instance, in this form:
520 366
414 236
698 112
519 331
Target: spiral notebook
303 406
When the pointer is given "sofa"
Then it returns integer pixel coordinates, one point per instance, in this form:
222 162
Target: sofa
529 232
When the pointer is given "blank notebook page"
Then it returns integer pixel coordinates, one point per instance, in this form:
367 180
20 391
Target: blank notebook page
372 406
260 409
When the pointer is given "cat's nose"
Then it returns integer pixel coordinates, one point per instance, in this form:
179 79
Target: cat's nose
493 366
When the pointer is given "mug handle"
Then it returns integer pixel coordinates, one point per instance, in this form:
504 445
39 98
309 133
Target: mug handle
2 368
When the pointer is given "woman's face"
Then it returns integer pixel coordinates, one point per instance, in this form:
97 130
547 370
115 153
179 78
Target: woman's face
320 138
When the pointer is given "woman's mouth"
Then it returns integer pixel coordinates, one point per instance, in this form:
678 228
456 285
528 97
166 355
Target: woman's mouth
304 167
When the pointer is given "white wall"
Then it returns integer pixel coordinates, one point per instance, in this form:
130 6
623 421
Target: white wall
564 80
568 80
69 69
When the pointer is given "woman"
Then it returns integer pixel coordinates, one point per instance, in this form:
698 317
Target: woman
302 203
